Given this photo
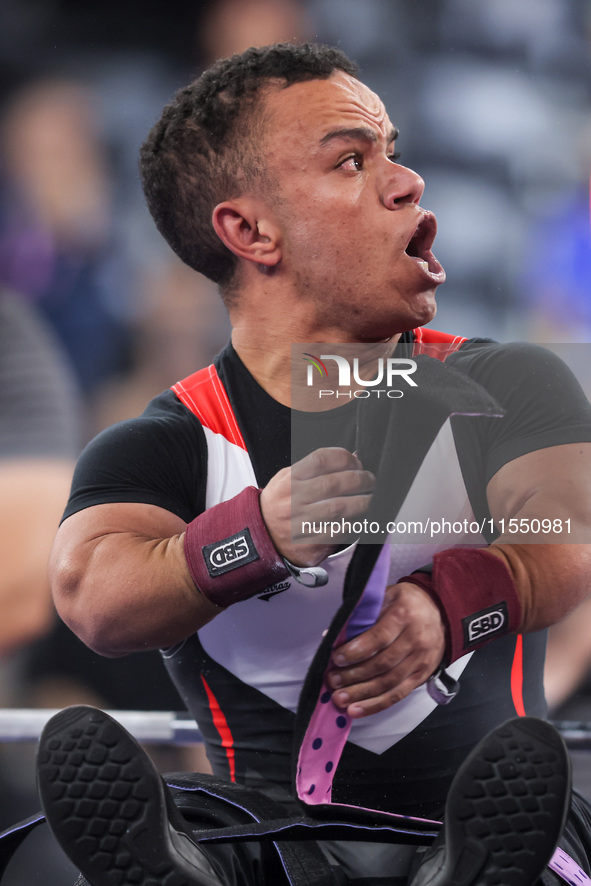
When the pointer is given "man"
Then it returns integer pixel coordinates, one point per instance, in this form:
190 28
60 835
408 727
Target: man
275 175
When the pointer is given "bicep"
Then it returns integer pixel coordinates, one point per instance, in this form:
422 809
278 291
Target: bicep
552 483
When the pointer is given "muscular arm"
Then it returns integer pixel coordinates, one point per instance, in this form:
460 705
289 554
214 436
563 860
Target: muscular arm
119 575
555 483
120 579
383 665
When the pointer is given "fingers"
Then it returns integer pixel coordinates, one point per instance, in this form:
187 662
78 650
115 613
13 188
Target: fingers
377 703
329 521
363 697
327 460
327 486
387 662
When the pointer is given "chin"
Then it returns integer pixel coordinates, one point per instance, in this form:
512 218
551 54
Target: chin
419 311
423 312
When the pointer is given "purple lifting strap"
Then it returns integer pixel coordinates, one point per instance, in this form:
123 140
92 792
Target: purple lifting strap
329 728
567 868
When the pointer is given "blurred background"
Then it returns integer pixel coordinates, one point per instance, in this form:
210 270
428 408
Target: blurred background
493 102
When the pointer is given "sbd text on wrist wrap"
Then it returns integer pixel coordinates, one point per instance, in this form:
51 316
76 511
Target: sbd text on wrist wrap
476 595
229 552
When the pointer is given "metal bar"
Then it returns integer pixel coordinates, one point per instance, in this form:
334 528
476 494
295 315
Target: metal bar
576 734
149 727
179 728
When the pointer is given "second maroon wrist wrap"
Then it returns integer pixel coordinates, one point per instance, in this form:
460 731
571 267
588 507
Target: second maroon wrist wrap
229 552
477 597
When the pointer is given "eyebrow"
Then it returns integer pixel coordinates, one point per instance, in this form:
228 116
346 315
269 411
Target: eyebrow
356 133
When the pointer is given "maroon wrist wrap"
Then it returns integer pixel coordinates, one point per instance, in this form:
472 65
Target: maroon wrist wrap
229 552
477 597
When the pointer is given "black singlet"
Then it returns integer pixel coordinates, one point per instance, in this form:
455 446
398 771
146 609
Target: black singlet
160 458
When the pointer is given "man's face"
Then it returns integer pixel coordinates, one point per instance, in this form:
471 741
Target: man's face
355 242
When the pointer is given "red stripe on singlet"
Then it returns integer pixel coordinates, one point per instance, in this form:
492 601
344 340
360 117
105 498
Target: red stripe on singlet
221 724
517 677
435 344
204 394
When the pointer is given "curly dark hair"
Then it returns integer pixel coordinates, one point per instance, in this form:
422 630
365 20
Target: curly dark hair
207 146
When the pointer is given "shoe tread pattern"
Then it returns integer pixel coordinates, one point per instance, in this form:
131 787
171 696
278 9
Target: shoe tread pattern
104 802
505 811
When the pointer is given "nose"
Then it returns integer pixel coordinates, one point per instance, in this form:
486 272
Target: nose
401 185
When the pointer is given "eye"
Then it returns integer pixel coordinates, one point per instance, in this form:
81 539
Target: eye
354 163
394 157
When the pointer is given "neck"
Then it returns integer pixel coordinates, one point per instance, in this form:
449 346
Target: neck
270 359
272 328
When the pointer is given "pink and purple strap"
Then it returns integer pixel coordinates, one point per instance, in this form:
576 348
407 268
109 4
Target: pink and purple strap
567 869
329 726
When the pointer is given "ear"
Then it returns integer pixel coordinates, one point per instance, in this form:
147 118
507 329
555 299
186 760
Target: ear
248 233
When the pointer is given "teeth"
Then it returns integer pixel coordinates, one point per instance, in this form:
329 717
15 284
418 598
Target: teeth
424 265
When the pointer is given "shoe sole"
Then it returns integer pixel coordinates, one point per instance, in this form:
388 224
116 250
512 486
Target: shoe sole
105 803
506 808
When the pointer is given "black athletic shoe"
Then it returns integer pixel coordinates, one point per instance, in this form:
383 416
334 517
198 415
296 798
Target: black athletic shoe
109 808
505 810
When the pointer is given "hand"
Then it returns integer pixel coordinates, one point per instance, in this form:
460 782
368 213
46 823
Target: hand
385 663
327 486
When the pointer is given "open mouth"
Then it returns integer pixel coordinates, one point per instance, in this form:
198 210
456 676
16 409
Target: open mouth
419 246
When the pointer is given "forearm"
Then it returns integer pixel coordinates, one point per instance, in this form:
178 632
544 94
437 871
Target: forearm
480 594
548 488
129 577
484 593
126 590
551 579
